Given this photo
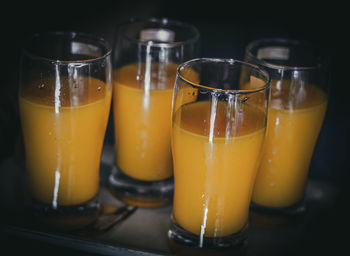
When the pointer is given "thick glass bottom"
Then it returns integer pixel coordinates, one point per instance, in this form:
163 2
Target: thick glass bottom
178 235
66 218
135 192
267 217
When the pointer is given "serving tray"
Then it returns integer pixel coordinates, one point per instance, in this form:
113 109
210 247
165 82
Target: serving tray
144 231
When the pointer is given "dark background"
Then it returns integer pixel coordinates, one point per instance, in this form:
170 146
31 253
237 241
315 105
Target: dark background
226 27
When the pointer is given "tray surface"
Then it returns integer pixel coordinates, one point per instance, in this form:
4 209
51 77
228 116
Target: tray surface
144 232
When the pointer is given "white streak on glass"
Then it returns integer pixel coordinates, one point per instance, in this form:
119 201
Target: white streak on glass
148 76
57 90
56 189
229 117
203 226
214 103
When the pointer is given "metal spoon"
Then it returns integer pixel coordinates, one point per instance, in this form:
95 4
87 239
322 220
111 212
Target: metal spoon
107 220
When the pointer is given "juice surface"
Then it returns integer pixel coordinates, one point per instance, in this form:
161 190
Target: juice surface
142 120
215 166
63 138
295 118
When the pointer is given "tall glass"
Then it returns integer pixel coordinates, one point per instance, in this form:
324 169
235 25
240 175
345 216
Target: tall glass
298 106
218 127
64 101
146 55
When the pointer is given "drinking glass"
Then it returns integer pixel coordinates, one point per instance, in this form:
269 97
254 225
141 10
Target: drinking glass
218 126
299 81
146 55
64 102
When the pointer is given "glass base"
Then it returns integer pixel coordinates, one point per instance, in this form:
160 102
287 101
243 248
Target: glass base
267 217
65 218
135 192
178 235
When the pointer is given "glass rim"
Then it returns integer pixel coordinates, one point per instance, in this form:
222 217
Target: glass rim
162 21
72 34
257 43
188 64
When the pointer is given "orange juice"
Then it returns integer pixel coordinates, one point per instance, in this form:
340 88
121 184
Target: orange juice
142 121
63 137
294 120
215 167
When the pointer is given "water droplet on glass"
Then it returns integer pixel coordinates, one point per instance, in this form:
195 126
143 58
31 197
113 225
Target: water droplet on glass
99 88
202 91
139 77
244 99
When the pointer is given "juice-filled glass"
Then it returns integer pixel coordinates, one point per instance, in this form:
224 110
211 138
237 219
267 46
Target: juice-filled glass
64 102
299 86
216 145
146 55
